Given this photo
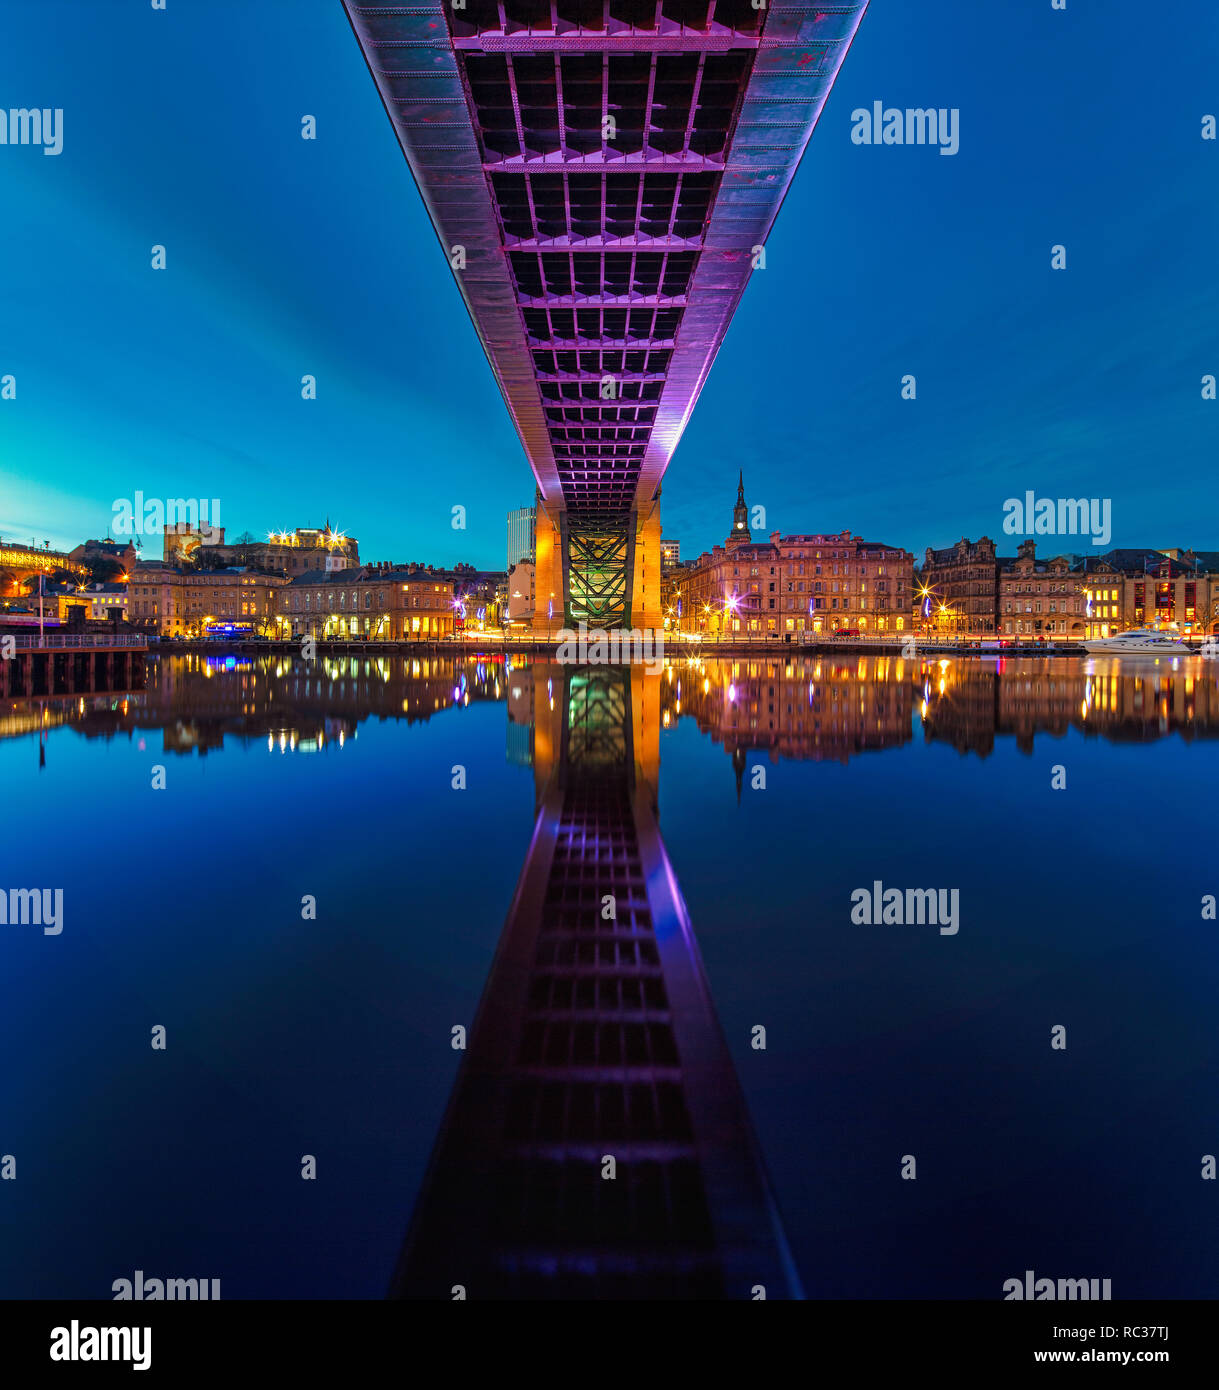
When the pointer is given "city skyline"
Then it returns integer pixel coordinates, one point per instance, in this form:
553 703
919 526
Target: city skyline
1025 376
1051 543
594 595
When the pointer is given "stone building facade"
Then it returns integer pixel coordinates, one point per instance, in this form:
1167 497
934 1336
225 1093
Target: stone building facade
958 588
1039 598
187 603
791 586
372 603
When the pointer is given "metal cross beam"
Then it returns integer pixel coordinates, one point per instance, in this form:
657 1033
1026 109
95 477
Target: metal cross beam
598 562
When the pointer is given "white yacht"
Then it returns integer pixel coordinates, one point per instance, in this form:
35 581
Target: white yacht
1209 650
1140 641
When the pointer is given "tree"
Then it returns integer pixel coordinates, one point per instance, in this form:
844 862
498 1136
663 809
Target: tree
1206 615
59 575
103 570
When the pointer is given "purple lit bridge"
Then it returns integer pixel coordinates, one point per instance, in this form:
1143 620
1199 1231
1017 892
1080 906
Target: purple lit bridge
601 174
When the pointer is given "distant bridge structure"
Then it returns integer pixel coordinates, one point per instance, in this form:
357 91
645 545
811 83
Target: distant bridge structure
18 562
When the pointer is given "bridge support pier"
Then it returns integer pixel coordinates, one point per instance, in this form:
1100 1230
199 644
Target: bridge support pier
645 587
557 552
549 598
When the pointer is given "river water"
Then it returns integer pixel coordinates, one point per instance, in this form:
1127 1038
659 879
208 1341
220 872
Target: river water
309 875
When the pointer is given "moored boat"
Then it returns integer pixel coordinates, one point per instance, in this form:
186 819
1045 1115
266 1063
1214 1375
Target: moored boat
1140 641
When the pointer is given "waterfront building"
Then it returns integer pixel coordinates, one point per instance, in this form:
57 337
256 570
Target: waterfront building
1129 588
373 603
958 588
188 603
670 554
1039 598
786 586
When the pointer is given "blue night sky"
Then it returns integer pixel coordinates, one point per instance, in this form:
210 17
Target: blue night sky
288 257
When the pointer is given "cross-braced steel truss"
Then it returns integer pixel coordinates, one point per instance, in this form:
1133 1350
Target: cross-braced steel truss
598 564
597 731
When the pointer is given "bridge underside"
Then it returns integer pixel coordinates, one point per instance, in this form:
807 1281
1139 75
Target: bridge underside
601 174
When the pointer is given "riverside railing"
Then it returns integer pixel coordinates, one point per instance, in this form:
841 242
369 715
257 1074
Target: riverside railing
63 641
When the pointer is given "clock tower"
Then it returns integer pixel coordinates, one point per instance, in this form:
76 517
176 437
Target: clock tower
739 535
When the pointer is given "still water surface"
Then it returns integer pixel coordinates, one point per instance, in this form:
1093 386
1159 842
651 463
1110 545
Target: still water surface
733 808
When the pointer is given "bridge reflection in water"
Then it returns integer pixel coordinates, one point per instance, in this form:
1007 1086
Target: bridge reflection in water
596 1040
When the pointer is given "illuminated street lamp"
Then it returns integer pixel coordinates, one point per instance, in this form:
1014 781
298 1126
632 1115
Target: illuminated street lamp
926 594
